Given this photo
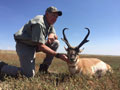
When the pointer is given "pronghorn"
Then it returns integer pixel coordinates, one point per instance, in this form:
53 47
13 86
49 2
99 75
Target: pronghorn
85 66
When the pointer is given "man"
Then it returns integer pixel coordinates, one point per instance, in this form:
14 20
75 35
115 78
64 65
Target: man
31 38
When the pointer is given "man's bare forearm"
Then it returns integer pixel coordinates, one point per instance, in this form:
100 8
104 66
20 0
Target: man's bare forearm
46 49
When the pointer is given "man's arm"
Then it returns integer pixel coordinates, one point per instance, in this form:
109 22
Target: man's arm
47 50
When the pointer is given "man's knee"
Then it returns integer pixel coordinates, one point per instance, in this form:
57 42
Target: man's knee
55 44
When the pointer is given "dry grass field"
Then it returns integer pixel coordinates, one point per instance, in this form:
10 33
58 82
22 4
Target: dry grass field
62 80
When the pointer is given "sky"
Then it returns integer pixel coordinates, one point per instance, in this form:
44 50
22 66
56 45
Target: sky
102 17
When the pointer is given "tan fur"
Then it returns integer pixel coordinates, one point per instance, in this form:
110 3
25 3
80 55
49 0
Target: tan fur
86 66
89 66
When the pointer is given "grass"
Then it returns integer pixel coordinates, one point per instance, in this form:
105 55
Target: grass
62 80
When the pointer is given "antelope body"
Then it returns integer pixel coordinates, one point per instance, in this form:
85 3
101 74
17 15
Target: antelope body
89 66
85 66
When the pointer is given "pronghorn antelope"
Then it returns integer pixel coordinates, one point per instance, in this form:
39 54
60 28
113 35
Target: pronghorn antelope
85 66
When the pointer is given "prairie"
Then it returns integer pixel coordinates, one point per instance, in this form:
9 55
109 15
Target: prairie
61 80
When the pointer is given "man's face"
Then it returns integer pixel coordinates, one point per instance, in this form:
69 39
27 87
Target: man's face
51 18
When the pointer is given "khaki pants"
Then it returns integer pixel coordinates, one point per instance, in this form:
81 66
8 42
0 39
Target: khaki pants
26 55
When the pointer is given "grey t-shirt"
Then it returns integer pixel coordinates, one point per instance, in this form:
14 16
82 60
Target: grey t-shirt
35 31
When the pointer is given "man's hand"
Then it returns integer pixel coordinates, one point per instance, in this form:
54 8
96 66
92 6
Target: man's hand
51 38
64 57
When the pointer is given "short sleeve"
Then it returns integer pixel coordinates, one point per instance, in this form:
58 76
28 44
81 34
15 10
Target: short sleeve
38 34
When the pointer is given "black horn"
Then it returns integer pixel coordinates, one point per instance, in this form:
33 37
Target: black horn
64 37
85 39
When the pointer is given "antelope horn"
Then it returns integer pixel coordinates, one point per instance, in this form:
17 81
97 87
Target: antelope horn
64 37
85 39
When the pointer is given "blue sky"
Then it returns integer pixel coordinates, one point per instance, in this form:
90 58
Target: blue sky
101 16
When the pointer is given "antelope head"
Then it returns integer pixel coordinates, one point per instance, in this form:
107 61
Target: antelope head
72 52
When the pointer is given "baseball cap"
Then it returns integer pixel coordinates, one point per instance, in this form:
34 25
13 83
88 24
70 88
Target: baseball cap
53 9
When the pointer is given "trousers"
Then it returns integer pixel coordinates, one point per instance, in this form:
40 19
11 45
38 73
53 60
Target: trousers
27 55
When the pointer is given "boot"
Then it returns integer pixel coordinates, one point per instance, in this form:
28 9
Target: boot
43 68
1 66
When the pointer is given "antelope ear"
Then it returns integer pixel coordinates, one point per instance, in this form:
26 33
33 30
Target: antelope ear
66 49
80 50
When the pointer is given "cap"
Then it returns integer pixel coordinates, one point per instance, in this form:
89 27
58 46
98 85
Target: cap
54 9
